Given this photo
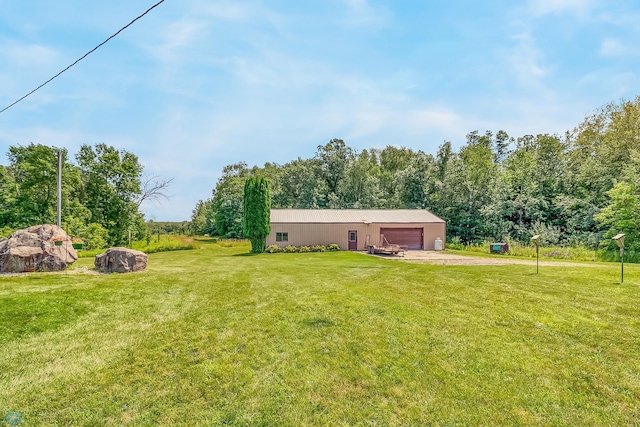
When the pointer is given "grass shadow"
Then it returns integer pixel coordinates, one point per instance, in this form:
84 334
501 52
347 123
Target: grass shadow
206 241
318 322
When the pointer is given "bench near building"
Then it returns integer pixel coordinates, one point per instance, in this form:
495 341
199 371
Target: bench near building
355 229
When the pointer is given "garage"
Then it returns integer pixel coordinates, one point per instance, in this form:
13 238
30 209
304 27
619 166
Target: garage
356 229
409 237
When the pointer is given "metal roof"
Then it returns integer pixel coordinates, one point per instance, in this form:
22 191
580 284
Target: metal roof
366 216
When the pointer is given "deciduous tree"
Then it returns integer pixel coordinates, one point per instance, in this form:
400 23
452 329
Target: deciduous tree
621 215
112 187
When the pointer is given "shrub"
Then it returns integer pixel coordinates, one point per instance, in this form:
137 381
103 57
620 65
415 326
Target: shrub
95 236
231 243
166 244
304 249
6 232
92 236
290 249
273 249
456 244
318 248
333 247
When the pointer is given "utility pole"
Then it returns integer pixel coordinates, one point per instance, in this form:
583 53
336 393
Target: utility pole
59 188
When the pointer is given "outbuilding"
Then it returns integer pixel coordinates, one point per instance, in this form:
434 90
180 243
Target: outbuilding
356 229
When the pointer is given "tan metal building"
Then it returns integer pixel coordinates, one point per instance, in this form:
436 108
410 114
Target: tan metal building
355 229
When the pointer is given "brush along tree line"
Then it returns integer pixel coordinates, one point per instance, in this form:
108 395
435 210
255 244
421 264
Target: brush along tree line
101 192
577 189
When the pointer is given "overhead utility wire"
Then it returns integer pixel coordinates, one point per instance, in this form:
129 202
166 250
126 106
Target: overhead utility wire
82 57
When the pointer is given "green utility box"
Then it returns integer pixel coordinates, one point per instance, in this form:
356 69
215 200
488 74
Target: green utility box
499 248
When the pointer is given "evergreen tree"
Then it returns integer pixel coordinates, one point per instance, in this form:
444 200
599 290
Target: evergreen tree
256 218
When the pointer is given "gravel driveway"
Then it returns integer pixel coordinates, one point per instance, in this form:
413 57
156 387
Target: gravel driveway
444 258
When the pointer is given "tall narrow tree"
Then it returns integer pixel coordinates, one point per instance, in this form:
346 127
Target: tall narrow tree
256 217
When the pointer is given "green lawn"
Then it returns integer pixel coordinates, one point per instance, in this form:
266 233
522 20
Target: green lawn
217 337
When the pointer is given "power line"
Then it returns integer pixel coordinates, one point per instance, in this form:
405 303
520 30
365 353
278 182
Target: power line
83 56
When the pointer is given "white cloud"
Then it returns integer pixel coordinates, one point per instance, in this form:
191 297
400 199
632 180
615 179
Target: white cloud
23 55
274 69
616 48
226 10
358 6
617 84
544 7
175 40
361 14
527 60
425 120
369 121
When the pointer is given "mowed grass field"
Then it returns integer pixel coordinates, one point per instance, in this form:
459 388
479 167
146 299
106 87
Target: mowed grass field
215 336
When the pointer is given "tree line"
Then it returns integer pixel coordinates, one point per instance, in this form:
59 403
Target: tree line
101 192
580 188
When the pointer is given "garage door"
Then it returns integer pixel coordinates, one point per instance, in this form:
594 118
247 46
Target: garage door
411 237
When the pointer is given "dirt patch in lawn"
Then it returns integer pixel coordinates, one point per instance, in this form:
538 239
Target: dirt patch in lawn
78 270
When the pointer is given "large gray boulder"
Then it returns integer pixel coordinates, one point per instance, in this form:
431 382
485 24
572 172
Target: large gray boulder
121 260
34 249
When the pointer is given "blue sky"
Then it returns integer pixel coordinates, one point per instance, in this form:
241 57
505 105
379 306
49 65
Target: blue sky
199 84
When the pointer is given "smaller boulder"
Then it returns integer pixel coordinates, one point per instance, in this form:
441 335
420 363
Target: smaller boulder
121 260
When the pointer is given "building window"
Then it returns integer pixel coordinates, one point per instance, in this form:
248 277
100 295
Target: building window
282 237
